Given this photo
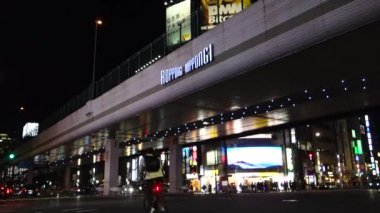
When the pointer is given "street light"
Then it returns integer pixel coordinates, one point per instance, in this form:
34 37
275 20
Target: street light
97 23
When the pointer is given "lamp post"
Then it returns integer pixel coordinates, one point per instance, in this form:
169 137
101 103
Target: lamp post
97 23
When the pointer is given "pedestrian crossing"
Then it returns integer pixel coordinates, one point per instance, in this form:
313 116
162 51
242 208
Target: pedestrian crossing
10 208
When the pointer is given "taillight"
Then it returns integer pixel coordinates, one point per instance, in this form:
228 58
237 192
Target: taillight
8 191
157 187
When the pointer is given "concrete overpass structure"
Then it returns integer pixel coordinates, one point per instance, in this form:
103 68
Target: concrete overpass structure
269 53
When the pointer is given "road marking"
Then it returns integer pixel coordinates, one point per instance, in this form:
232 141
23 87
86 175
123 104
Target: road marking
290 201
224 198
71 210
89 210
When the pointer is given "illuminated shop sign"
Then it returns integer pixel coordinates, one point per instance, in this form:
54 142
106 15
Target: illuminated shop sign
289 159
214 12
202 58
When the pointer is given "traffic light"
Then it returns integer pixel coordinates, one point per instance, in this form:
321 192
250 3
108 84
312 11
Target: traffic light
11 156
310 155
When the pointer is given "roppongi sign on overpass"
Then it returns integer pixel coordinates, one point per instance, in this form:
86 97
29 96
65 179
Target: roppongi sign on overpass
202 58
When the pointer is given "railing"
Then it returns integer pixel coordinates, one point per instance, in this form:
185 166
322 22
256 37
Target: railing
131 66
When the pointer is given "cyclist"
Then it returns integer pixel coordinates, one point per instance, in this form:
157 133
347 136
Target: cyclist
152 173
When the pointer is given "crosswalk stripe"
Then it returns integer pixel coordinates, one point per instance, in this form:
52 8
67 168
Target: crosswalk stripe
289 200
71 210
88 210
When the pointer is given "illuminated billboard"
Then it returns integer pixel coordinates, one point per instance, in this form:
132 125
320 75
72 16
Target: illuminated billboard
217 11
178 23
30 130
246 159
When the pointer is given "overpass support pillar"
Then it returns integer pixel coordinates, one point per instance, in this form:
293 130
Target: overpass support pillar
29 175
67 178
67 172
111 165
175 167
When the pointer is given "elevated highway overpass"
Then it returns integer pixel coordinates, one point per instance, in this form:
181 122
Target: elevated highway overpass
275 63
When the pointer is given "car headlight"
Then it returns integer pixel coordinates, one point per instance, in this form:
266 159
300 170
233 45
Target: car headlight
370 184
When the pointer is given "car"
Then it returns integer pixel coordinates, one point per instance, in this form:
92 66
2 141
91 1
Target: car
375 184
5 191
32 190
325 186
99 188
20 191
85 190
129 189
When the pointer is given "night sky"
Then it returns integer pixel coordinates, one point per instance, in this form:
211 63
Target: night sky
46 49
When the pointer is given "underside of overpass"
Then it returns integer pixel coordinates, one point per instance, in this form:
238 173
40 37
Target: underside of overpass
338 77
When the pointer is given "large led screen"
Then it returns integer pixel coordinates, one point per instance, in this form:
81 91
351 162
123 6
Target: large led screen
254 158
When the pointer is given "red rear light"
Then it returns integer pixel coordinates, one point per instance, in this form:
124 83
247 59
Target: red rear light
8 191
157 187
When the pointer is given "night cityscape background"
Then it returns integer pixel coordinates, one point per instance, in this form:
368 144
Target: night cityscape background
247 105
47 44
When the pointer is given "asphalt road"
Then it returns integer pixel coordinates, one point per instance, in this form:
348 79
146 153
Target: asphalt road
316 201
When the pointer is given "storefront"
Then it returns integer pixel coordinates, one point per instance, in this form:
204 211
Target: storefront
235 165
